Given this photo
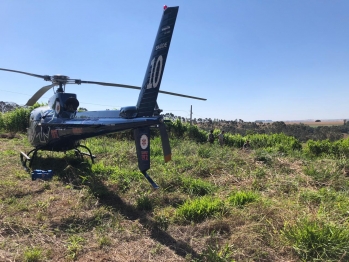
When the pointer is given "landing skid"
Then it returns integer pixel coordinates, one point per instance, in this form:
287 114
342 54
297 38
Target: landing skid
26 157
81 154
32 155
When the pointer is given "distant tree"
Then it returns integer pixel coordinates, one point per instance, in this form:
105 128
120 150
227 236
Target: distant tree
317 120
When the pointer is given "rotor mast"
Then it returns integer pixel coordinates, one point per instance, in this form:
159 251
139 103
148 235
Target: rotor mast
61 81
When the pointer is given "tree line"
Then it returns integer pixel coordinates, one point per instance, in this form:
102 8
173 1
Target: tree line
300 131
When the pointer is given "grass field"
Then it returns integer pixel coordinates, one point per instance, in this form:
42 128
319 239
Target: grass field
214 204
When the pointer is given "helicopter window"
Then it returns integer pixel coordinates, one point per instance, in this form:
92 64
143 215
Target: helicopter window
48 113
37 117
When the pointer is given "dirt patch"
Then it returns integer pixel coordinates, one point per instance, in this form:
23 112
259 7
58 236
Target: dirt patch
9 135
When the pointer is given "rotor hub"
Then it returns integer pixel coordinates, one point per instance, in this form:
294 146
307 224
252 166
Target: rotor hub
60 79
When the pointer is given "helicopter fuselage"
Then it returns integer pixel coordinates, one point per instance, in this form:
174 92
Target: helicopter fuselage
48 132
55 128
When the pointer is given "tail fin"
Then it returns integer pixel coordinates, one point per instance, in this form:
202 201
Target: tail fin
152 79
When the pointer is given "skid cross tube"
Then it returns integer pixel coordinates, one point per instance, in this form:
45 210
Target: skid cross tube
78 152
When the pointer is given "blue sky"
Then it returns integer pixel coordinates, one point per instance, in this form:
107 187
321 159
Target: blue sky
251 59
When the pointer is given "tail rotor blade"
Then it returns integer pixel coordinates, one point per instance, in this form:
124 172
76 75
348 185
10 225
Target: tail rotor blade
165 142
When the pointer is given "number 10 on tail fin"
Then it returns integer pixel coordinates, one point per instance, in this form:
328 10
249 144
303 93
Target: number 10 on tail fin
152 79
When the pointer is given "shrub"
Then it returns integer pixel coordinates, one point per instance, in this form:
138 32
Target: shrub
338 148
17 120
196 134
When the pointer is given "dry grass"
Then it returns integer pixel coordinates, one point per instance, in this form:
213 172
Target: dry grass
315 124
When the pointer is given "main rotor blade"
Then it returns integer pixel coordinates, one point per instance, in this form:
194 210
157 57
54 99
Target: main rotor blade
25 73
137 87
39 94
175 94
106 84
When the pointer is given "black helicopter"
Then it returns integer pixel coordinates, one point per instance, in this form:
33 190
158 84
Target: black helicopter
60 127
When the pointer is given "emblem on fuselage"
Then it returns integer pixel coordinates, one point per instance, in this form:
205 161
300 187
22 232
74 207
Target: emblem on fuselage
144 142
58 107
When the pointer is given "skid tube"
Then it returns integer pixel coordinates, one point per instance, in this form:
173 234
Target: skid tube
26 157
155 186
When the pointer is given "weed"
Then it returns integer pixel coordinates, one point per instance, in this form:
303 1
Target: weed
263 156
202 168
199 209
241 198
21 175
320 175
47 186
204 152
196 186
217 254
310 197
162 218
157 249
259 173
144 202
318 241
104 241
287 186
74 246
32 255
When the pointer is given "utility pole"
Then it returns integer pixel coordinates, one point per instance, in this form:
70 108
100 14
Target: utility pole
191 114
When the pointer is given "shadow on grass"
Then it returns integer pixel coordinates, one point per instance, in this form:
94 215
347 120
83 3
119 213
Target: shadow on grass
71 170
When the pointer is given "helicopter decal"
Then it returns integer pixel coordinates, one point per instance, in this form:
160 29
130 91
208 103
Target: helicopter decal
60 127
43 134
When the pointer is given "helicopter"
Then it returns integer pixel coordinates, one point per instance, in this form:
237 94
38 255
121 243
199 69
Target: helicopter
60 127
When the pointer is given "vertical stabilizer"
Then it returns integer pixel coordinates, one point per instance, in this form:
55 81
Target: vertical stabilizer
152 79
